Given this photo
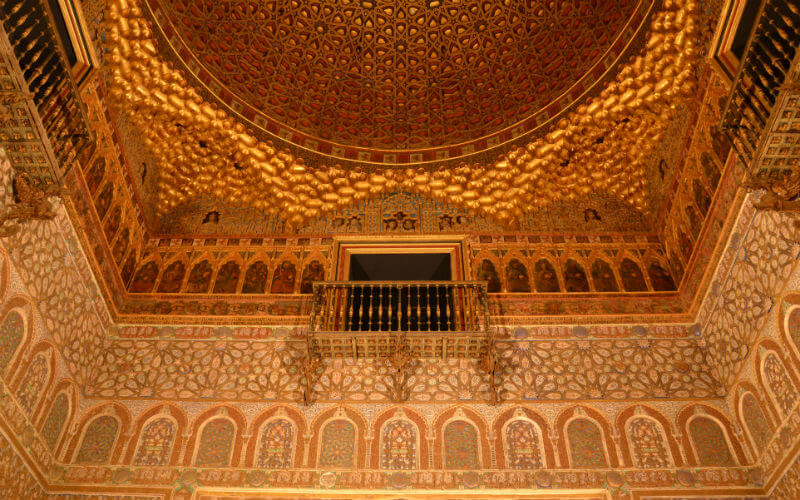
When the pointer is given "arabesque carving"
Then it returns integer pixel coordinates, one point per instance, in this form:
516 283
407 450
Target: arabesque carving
781 193
310 362
30 203
401 364
489 362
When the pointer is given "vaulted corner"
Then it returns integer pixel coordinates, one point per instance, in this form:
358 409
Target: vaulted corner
420 249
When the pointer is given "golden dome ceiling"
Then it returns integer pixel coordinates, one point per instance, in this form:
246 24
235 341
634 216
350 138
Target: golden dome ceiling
207 145
397 74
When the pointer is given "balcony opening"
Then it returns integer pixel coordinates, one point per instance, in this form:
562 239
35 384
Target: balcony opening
63 32
400 292
71 31
393 294
747 19
733 34
400 267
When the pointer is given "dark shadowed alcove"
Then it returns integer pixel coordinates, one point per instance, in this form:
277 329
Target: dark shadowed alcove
395 306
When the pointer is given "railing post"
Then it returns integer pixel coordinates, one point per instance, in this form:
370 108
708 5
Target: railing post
315 306
419 308
473 309
369 309
437 314
341 301
408 307
380 308
389 326
360 308
458 306
484 294
326 314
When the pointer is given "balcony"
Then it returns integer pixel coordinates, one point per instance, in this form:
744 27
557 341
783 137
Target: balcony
44 62
373 319
762 115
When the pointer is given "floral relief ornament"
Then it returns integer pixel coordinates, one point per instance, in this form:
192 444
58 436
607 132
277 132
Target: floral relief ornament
31 202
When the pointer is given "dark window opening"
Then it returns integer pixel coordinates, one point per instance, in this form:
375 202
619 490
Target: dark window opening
401 306
400 267
63 32
746 23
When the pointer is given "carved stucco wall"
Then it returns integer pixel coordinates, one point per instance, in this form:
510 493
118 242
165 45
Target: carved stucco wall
48 265
17 481
22 429
743 297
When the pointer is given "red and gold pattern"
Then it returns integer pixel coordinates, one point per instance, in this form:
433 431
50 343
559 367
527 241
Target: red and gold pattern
743 476
203 151
621 411
397 75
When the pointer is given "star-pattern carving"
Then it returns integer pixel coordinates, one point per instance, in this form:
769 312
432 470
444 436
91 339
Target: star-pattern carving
396 74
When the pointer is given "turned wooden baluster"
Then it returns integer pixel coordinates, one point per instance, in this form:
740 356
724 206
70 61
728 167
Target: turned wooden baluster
463 304
329 309
408 307
375 308
448 319
469 290
750 119
466 306
483 309
334 308
767 45
434 316
776 33
380 308
430 313
368 294
457 308
323 312
419 308
768 66
454 308
418 295
421 318
476 321
314 308
389 326
788 12
388 295
429 307
349 305
437 317
321 309
349 312
381 314
463 307
361 308
473 313
437 313
441 299
341 317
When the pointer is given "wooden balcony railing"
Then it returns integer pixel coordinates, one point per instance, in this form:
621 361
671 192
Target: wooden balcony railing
366 318
769 56
47 74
